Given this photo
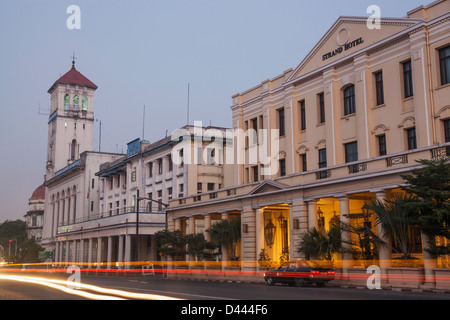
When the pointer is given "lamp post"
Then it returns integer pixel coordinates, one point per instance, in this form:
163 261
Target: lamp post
138 198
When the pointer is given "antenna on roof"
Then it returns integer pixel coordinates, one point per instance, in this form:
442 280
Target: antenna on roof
143 123
187 122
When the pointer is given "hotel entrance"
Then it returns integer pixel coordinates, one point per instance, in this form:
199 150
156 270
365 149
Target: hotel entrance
276 233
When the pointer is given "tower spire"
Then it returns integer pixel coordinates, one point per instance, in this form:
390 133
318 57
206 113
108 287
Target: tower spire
73 60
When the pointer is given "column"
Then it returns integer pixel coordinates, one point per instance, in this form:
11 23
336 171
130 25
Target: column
312 215
90 253
384 253
67 244
82 252
225 255
207 235
177 224
344 210
249 253
127 251
300 213
99 252
190 230
110 246
259 231
57 256
74 253
61 252
120 254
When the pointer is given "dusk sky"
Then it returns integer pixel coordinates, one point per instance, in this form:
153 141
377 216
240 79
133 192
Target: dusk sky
145 52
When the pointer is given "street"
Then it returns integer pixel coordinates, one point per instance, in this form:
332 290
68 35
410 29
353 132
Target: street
163 289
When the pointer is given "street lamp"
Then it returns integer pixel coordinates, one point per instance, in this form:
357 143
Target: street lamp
138 198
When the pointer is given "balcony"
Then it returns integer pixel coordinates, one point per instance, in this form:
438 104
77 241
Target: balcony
379 166
125 217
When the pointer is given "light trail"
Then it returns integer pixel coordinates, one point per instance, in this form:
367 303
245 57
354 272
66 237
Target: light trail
62 286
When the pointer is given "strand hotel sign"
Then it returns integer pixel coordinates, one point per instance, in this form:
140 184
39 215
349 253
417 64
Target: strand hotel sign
344 45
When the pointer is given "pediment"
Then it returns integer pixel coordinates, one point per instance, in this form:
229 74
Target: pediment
347 36
267 186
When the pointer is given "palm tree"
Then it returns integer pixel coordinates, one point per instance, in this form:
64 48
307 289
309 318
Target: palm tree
227 233
396 221
321 245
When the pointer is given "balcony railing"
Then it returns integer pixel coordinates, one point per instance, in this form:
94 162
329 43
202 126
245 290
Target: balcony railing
110 213
401 159
376 165
355 168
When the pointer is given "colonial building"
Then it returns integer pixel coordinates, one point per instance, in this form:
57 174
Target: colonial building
71 185
34 218
104 209
138 186
339 129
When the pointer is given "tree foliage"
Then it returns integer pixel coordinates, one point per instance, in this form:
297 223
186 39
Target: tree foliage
429 189
14 245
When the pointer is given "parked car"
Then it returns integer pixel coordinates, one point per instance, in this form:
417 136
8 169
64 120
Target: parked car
299 273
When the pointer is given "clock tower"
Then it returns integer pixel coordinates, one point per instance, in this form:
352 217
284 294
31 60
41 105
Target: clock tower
71 121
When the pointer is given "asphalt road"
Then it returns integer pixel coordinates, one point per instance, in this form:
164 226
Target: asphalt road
200 290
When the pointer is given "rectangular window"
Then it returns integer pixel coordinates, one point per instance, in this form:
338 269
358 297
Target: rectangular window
447 130
255 130
349 100
160 166
407 79
379 87
150 169
255 173
281 122
170 162
304 164
210 186
302 115
444 61
321 99
351 151
322 158
382 145
411 136
199 187
282 167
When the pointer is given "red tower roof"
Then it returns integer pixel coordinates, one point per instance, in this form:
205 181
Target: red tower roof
39 193
73 76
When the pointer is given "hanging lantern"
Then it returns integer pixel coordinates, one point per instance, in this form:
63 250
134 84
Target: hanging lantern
269 233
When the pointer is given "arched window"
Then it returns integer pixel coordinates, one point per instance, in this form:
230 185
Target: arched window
75 103
84 103
349 100
73 149
66 102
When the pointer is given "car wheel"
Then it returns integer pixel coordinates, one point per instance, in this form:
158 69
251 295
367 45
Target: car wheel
270 281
